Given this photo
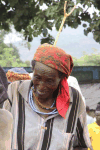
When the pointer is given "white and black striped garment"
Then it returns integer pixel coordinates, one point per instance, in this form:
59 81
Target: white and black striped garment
33 132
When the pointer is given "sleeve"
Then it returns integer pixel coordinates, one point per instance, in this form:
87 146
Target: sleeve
81 138
12 88
82 134
6 104
72 81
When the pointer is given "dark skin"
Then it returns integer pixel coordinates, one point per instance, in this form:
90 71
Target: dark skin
46 81
97 115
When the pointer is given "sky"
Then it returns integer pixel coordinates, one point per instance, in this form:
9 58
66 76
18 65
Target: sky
73 41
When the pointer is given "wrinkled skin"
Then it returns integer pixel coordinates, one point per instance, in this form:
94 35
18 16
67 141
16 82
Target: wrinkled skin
45 80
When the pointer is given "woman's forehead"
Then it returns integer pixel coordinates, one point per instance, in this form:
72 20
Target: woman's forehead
43 69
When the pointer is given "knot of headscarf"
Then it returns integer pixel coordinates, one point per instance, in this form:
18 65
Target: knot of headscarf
58 59
62 101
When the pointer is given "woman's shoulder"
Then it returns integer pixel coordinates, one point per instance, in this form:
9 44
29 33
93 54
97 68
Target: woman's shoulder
19 82
16 84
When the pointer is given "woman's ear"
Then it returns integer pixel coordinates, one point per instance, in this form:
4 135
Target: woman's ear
33 64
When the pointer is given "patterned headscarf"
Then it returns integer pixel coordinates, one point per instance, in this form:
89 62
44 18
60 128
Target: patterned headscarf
15 74
56 58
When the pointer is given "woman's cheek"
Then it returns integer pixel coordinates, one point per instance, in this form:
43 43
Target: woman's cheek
35 81
54 87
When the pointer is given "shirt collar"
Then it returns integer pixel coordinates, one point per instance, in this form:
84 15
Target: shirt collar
24 89
25 86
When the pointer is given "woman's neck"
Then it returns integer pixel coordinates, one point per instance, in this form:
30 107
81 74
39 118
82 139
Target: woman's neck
46 102
46 105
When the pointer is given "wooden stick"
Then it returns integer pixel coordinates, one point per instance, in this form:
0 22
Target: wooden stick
63 21
65 8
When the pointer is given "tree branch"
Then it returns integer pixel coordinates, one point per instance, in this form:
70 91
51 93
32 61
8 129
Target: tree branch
63 21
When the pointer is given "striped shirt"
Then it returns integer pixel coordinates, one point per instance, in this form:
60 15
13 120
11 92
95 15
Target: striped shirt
32 131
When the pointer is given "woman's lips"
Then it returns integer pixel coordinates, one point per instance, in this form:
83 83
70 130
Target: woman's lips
41 93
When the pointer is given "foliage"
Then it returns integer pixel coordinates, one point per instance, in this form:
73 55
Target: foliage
9 55
8 59
27 16
88 60
27 62
75 60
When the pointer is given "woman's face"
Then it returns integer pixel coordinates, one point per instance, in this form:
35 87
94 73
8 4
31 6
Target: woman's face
45 80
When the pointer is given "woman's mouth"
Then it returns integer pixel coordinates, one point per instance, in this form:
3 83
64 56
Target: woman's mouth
40 93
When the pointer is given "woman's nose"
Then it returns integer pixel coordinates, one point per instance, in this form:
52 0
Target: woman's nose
42 85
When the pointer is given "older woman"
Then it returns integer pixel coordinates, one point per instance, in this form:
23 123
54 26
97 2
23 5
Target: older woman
48 114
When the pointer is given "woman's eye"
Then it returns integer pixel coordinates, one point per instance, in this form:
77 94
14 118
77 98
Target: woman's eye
37 77
50 80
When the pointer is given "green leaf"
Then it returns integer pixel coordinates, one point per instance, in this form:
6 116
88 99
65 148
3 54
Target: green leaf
85 16
85 32
41 2
88 29
75 25
5 26
74 12
96 37
27 14
89 4
45 32
30 38
78 1
48 39
35 34
84 25
13 2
